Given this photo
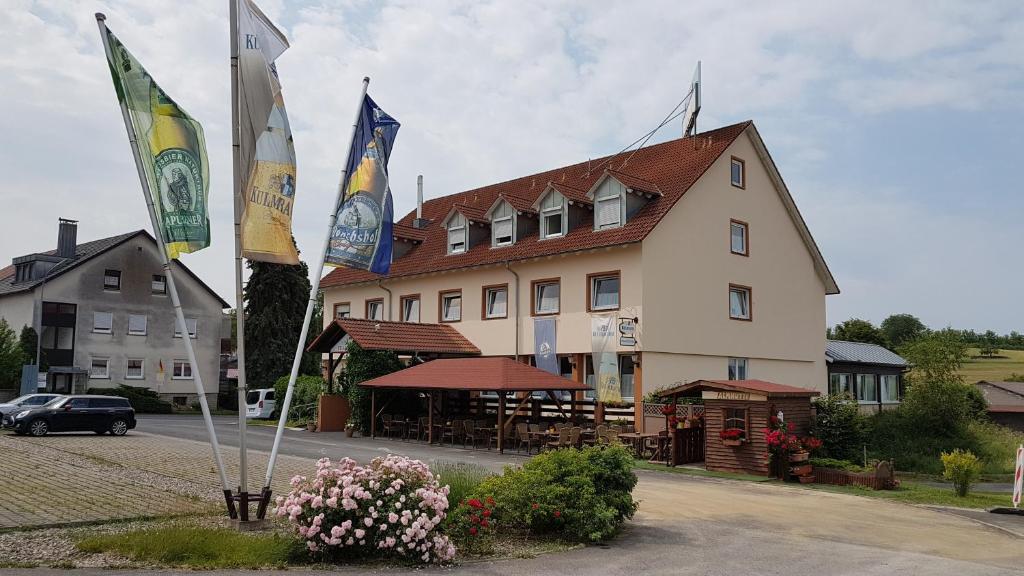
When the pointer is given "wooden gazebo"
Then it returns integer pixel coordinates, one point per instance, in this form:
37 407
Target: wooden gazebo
744 405
499 375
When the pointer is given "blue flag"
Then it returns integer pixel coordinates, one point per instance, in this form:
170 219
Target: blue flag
362 233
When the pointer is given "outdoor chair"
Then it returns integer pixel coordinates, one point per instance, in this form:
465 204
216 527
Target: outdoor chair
612 436
562 442
534 427
523 436
598 435
385 424
574 436
469 433
452 432
416 429
630 429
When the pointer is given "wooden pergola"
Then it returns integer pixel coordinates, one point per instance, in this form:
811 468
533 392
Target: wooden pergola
493 374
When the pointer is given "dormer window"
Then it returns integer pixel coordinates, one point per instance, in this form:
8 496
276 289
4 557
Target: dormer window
552 216
457 234
608 207
503 225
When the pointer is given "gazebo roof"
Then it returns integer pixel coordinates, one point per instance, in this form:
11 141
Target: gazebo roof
762 387
491 374
400 337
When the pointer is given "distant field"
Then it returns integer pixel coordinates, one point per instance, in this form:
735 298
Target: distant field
992 369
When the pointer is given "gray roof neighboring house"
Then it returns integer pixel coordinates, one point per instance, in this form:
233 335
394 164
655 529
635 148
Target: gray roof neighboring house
862 353
84 252
1003 396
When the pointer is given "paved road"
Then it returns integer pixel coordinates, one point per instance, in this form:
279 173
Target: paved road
316 445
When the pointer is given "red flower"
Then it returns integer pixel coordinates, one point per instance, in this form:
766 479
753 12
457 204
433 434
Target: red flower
487 513
558 514
472 530
474 519
668 409
490 501
474 503
731 434
484 523
535 506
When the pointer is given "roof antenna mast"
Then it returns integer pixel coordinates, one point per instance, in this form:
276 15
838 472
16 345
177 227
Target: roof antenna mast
690 117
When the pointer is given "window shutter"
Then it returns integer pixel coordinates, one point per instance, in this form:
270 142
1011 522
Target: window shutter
607 212
502 229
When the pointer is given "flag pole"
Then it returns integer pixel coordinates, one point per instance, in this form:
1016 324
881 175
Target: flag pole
313 290
162 248
236 156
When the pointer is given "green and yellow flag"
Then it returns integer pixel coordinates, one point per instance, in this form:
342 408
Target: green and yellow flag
172 150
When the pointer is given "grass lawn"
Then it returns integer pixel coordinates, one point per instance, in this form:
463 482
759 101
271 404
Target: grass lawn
639 464
975 369
198 547
912 493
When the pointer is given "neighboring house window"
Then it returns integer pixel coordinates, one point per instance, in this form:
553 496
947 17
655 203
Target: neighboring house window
738 237
552 216
626 375
604 291
135 370
342 310
739 302
627 370
179 400
608 208
735 418
112 280
411 308
503 225
57 338
375 309
867 389
890 388
451 306
546 297
137 324
102 322
737 368
182 370
738 173
190 323
99 367
457 234
840 384
495 302
159 284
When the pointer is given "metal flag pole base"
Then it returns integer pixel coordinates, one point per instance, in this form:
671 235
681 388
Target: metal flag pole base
261 510
238 505
229 499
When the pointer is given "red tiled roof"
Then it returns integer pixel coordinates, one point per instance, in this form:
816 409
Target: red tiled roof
672 167
408 337
575 194
520 204
751 386
408 232
494 373
634 183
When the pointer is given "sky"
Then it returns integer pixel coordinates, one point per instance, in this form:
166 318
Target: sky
896 126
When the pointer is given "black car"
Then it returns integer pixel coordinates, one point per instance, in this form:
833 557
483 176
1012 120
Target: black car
100 414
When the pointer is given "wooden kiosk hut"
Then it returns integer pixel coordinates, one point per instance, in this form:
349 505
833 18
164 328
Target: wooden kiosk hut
744 405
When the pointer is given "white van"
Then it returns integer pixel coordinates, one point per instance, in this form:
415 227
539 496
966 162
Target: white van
259 403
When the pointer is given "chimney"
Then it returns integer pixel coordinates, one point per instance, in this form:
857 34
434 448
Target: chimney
419 222
67 238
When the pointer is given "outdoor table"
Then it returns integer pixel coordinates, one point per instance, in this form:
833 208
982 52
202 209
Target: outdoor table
634 439
660 455
400 425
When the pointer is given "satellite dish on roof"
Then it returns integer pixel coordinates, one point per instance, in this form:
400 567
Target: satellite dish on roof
693 108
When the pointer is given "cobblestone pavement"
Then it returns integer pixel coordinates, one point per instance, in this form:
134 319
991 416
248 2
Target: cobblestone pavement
62 479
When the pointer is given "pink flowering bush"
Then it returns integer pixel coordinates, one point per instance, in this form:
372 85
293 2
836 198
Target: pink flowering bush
391 508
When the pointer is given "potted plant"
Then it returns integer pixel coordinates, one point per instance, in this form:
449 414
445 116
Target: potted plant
732 436
350 428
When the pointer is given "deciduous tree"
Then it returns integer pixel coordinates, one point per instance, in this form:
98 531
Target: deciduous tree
902 328
857 330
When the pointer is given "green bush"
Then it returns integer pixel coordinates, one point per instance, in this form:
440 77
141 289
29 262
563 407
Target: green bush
995 445
143 400
461 478
840 426
962 469
304 399
580 495
838 465
939 408
362 365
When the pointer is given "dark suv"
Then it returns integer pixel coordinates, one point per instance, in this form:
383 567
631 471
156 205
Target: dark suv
100 414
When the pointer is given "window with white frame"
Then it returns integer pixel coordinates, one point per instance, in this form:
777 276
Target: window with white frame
739 302
890 388
496 302
181 370
546 297
375 309
552 216
839 383
867 389
159 284
451 306
135 369
112 280
137 324
99 367
457 234
190 323
503 225
737 173
737 368
738 237
604 292
410 308
608 208
102 322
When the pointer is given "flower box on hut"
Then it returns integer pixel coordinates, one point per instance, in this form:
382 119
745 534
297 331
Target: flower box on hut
736 412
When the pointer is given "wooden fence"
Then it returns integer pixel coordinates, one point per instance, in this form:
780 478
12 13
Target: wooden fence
882 478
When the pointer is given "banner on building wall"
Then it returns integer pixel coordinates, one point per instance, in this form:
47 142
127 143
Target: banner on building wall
544 344
603 331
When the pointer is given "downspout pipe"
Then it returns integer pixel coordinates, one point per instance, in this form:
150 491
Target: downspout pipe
516 274
380 284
